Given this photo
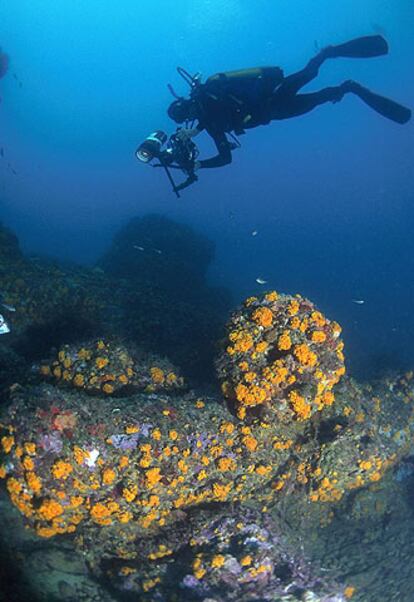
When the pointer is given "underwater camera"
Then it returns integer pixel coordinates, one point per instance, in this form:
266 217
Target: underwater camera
151 147
180 153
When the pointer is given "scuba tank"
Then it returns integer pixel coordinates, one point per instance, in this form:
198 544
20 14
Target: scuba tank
243 92
246 86
261 79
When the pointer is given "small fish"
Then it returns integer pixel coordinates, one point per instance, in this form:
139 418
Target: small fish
4 328
261 281
138 248
8 307
158 251
358 301
255 233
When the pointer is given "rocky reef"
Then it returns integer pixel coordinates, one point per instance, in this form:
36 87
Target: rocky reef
157 298
157 490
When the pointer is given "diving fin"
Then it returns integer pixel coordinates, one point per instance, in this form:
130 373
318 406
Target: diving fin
384 106
360 48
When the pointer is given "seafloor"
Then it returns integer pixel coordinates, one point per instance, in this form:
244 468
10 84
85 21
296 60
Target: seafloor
158 443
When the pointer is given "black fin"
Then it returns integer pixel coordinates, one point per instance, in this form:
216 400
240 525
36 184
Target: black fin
361 48
386 107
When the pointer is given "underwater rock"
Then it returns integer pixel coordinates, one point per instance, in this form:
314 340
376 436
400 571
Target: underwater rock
155 249
139 480
9 248
74 461
169 306
109 366
281 356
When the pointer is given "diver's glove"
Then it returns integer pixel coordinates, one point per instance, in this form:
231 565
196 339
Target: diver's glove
190 180
184 134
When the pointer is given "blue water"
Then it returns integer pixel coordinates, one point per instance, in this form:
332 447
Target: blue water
330 193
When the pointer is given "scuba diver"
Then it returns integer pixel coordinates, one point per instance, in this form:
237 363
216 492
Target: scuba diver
232 102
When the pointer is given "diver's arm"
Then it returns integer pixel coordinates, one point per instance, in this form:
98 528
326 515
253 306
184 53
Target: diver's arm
224 153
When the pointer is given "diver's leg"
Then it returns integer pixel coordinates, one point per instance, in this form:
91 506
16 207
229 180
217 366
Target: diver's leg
299 104
294 82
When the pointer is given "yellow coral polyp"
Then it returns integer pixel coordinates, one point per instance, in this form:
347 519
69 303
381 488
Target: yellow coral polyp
300 406
305 356
328 398
171 378
108 476
221 492
227 427
101 362
46 532
108 388
83 354
153 477
250 443
79 455
249 377
57 372
14 487
243 343
263 316
295 323
157 375
61 469
293 307
130 493
318 336
28 463
101 514
76 501
131 429
50 509
318 319
225 464
284 342
33 482
218 561
79 380
7 443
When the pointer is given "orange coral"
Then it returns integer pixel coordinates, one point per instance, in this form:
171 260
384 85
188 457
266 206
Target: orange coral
263 316
50 509
61 469
305 356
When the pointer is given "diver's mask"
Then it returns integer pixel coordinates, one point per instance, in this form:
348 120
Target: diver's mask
151 147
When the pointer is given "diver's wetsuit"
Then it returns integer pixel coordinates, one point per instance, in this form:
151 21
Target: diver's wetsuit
283 102
278 98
